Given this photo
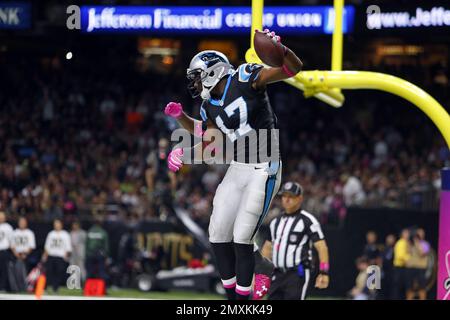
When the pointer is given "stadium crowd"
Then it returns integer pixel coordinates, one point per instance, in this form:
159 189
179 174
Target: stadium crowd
405 263
77 139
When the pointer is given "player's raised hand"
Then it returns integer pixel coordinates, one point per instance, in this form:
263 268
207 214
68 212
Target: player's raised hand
173 109
174 161
283 62
272 35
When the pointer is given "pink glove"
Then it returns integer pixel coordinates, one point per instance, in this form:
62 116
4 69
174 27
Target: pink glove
174 109
271 35
174 161
277 39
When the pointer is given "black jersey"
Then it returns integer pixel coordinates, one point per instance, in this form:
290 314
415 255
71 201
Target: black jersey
243 113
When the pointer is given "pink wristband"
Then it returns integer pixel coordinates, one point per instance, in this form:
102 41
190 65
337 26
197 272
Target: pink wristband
287 71
198 130
324 266
285 49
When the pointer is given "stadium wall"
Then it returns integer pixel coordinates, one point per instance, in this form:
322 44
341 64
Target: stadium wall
345 242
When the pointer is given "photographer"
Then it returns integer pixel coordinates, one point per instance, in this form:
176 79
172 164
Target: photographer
417 266
161 183
401 258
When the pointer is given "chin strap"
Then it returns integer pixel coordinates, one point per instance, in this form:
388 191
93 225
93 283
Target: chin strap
205 94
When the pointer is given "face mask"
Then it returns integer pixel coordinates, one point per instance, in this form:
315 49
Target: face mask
205 94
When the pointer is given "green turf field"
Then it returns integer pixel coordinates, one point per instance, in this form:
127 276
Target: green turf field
171 295
136 294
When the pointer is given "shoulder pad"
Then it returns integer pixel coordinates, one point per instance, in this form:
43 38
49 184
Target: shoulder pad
246 70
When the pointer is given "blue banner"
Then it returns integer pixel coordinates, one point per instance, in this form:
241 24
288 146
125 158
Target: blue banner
15 15
209 20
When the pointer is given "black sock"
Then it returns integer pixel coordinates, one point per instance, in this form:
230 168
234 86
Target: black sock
242 296
263 265
245 266
231 293
225 262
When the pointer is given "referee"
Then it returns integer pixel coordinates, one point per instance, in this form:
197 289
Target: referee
291 238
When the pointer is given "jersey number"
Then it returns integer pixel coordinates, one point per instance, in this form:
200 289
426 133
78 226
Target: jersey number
244 127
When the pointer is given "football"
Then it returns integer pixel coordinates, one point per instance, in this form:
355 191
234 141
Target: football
270 52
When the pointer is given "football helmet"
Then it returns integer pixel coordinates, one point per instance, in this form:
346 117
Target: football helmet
206 69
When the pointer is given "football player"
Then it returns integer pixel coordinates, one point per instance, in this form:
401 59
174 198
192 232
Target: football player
235 101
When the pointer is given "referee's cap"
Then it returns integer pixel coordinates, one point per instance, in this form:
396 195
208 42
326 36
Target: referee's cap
292 188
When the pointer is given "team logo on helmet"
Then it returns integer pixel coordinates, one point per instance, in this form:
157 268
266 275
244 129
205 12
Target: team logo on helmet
211 58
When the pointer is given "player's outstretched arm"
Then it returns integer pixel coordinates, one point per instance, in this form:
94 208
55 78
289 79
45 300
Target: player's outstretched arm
176 158
291 66
175 110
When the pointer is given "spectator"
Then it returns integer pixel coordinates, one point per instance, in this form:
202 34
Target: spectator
417 266
353 191
380 151
53 164
97 250
54 211
401 258
5 235
108 105
57 250
160 181
360 290
127 257
371 250
78 239
388 259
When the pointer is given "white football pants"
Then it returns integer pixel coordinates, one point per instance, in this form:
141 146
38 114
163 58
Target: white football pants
242 201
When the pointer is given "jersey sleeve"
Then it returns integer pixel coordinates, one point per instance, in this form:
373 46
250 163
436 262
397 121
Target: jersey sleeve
248 73
12 240
47 242
68 242
9 232
32 239
314 229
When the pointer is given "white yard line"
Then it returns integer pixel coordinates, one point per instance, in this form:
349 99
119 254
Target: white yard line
8 296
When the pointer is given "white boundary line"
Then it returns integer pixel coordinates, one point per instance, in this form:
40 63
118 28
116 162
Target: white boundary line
8 296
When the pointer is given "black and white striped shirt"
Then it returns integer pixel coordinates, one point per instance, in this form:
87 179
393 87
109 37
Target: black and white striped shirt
292 236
